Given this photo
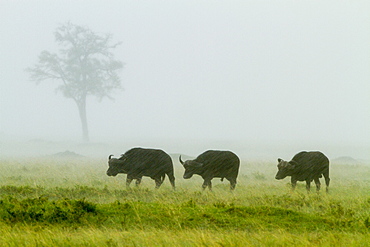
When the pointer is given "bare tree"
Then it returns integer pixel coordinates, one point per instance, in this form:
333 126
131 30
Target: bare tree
84 66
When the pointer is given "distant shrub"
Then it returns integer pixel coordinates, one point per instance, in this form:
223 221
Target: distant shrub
46 211
259 176
19 190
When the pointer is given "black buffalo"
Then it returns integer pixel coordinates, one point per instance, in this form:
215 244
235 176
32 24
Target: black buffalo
305 166
213 164
139 162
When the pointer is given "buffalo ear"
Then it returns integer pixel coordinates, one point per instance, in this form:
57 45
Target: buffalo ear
293 163
279 160
123 157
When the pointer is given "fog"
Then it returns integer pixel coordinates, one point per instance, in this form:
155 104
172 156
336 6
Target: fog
260 78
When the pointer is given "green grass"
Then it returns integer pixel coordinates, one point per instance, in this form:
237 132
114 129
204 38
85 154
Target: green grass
47 202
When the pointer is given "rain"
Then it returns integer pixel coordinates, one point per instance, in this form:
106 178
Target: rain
184 123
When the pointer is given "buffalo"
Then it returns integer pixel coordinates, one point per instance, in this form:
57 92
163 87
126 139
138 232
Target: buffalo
305 166
139 162
213 164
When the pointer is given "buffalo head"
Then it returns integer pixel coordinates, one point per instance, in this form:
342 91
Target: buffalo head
191 167
285 168
116 165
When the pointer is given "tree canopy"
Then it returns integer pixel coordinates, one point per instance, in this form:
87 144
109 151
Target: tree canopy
85 66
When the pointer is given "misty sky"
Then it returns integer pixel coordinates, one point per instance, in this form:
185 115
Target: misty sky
264 72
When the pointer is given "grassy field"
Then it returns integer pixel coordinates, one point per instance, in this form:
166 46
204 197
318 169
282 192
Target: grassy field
71 202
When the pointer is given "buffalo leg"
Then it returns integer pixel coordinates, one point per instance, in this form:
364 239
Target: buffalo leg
158 182
232 183
171 177
210 185
172 181
138 181
207 183
318 184
308 185
327 179
294 183
128 181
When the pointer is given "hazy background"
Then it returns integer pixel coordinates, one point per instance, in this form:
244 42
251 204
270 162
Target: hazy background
261 78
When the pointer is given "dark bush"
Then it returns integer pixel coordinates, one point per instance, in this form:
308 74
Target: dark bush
46 211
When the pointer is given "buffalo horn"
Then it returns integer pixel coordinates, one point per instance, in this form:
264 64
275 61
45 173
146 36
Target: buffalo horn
182 162
110 156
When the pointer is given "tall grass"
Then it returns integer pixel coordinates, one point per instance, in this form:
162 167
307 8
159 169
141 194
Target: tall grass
50 202
112 237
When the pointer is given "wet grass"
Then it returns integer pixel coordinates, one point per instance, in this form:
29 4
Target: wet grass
46 202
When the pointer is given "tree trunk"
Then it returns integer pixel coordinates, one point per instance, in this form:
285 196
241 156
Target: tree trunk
82 111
